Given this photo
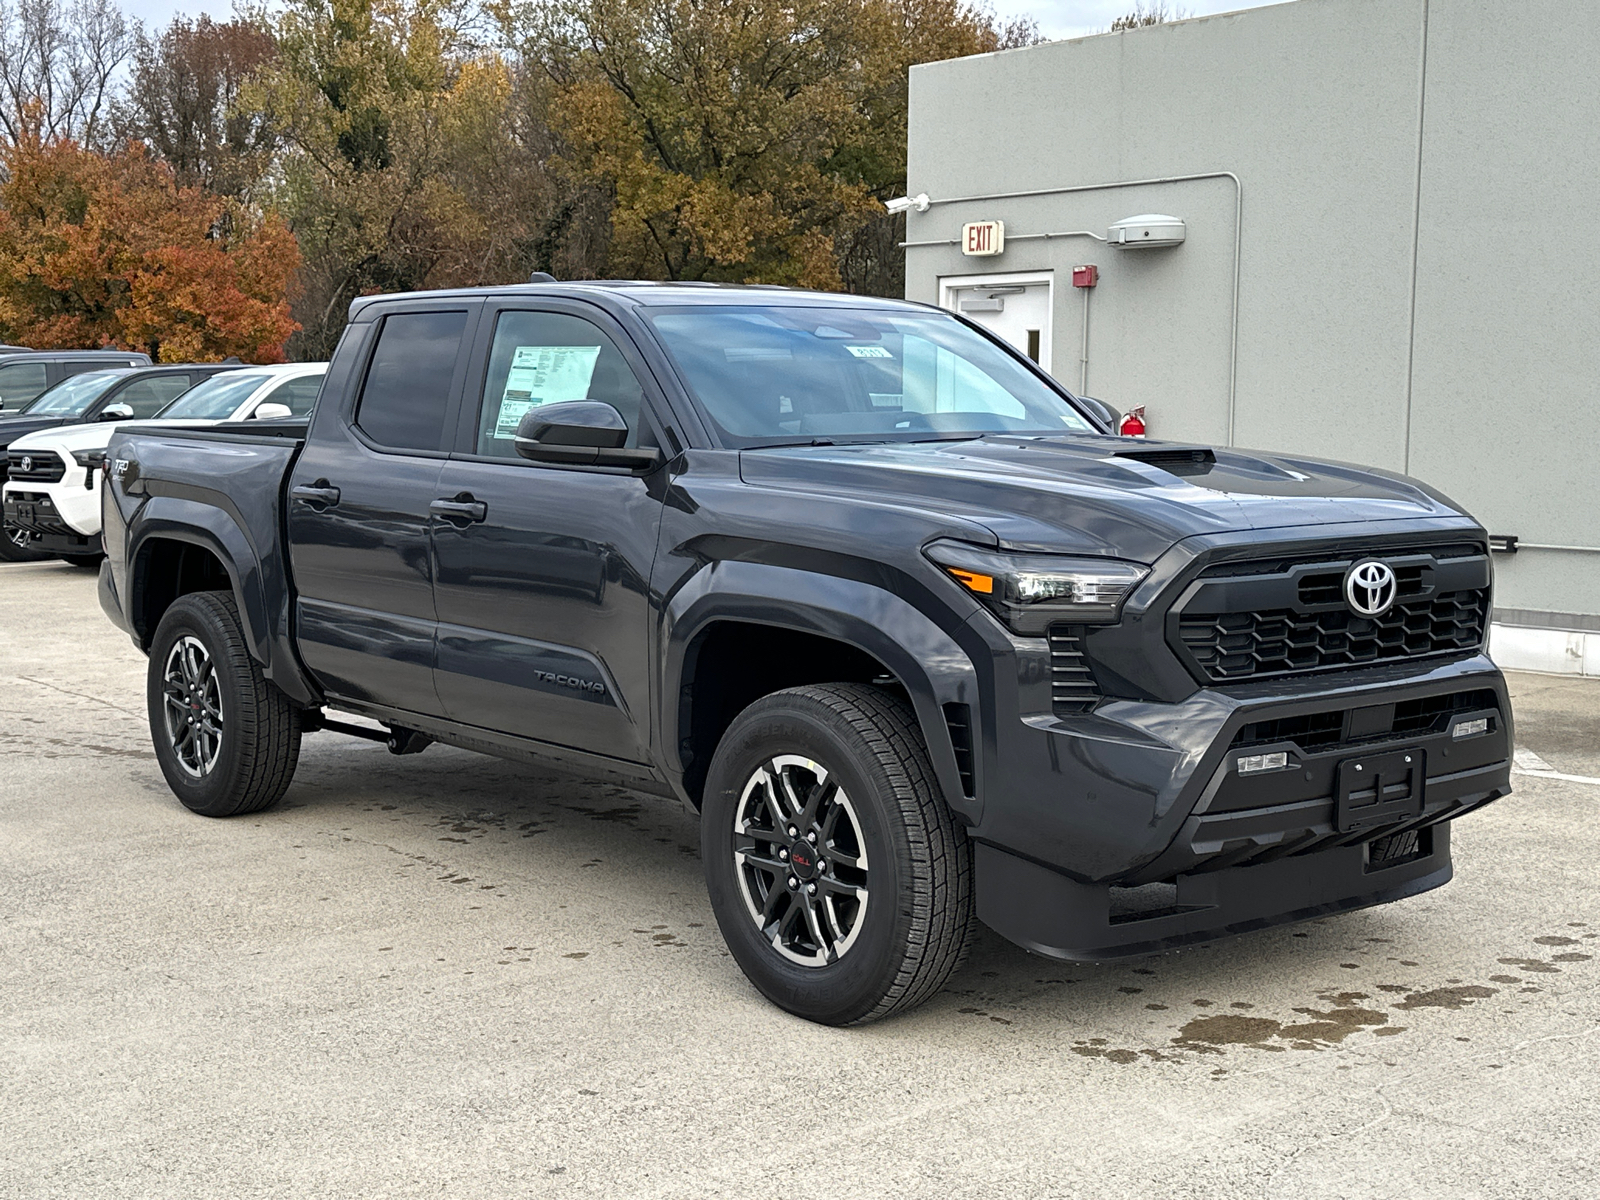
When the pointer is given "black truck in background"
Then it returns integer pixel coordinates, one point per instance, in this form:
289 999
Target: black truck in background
919 638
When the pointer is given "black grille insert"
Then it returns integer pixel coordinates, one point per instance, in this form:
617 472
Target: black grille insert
1072 685
1412 718
42 466
1250 645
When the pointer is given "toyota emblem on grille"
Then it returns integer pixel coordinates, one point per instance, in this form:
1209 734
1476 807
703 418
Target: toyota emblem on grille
27 464
1370 587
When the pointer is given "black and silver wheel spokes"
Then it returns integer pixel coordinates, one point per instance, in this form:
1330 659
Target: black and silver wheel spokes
801 860
193 708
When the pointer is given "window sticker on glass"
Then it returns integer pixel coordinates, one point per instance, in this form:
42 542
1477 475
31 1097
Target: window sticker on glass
543 375
870 351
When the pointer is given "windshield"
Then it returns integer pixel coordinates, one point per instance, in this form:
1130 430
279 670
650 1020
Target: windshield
215 398
72 397
770 375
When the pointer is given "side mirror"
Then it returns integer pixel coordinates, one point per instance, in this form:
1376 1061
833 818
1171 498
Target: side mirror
272 412
580 433
115 412
1102 412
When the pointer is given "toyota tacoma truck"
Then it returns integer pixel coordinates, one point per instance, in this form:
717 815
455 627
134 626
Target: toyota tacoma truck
52 494
922 641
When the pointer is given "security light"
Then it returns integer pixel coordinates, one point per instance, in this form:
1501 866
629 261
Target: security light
902 204
1146 231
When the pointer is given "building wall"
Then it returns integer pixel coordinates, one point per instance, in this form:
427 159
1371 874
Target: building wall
1414 184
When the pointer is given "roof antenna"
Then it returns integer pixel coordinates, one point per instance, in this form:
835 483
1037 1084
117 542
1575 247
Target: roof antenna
541 277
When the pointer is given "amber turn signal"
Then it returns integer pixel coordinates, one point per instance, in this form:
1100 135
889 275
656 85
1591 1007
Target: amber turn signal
982 584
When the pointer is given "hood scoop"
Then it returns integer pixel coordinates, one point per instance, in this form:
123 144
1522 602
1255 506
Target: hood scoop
1176 459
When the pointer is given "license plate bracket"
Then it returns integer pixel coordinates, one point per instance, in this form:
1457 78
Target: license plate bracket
1379 789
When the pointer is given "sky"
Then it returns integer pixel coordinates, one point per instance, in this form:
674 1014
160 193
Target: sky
1056 18
1075 18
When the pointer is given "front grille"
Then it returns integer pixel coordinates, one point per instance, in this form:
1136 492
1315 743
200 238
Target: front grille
1072 685
1250 645
43 466
1412 718
1339 554
1309 732
1278 615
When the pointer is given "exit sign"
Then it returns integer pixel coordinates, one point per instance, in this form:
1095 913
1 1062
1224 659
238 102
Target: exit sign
983 237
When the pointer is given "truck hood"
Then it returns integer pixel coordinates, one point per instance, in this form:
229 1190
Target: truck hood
97 435
94 436
1098 494
15 425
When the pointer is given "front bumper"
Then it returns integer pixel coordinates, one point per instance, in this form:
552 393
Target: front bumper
47 526
1044 911
1132 828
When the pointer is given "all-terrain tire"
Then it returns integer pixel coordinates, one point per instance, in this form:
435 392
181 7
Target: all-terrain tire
914 925
250 762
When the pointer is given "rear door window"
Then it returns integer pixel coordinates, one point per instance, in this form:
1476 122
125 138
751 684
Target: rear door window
407 388
22 382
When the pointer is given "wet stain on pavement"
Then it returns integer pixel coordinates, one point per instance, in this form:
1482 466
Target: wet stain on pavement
1447 997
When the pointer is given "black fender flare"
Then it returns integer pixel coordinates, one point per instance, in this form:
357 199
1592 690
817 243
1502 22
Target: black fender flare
178 519
925 659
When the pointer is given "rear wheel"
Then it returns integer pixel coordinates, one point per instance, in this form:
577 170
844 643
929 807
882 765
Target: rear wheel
15 547
840 879
226 738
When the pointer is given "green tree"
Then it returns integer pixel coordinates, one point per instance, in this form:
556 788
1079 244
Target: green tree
739 140
402 166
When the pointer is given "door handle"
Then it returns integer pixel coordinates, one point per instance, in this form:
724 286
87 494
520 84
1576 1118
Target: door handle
316 493
460 508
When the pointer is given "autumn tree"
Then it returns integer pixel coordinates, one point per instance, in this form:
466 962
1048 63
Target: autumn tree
107 249
903 34
182 100
742 140
406 163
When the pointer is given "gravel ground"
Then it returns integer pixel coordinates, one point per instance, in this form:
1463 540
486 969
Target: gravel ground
449 976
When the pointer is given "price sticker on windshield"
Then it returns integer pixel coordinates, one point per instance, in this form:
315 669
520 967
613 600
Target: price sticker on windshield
869 351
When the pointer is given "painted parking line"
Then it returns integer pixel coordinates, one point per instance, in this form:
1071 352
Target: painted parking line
1526 762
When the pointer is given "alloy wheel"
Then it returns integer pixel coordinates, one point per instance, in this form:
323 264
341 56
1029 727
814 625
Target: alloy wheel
801 860
193 709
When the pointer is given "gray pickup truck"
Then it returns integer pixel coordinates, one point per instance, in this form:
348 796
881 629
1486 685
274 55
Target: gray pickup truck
923 642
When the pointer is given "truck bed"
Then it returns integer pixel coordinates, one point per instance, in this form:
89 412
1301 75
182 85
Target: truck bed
224 486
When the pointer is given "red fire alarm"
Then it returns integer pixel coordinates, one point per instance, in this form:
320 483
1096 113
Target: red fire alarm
1086 276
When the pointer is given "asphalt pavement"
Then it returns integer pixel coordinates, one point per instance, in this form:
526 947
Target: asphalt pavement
448 976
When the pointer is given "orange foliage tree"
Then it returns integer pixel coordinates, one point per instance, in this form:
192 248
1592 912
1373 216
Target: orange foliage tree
107 250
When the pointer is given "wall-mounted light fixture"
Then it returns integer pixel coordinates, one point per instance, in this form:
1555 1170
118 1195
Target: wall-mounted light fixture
902 204
1146 231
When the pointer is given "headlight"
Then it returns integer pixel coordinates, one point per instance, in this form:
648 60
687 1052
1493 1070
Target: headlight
90 459
1028 591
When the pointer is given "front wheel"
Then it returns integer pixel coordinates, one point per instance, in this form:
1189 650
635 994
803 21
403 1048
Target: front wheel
226 738
840 880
